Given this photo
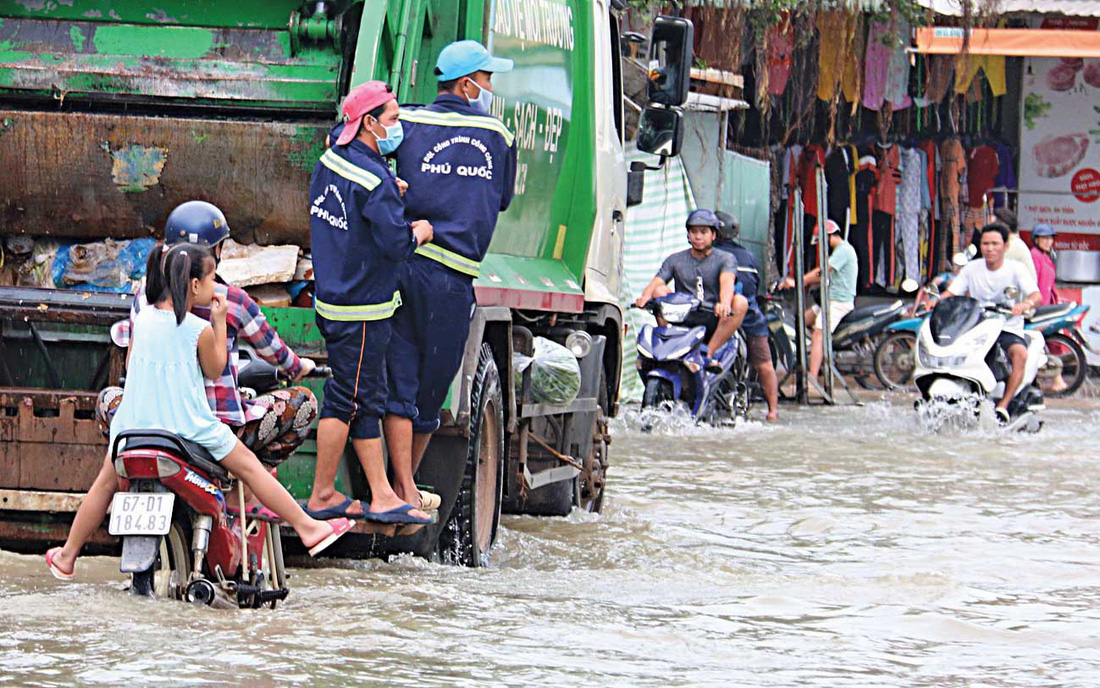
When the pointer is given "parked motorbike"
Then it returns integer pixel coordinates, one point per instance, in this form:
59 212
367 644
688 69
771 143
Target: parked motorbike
179 538
959 362
671 364
854 339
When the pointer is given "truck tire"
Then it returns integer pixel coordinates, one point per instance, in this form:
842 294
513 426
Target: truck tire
471 530
657 391
171 569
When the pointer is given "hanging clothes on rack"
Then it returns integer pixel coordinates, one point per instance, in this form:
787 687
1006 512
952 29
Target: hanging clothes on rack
952 173
1006 173
913 177
932 160
860 236
876 66
897 74
883 239
780 55
840 165
812 158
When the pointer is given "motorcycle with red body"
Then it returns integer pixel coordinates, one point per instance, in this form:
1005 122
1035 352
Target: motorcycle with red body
181 538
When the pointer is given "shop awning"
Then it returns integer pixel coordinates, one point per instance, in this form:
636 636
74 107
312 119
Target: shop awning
944 40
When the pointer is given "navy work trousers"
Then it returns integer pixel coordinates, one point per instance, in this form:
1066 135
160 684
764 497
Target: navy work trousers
356 392
429 336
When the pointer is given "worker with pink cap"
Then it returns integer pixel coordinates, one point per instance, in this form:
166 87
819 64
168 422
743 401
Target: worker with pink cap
359 237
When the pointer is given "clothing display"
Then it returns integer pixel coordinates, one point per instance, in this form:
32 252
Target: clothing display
876 66
780 56
906 204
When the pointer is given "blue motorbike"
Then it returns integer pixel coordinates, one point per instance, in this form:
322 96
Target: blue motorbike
672 364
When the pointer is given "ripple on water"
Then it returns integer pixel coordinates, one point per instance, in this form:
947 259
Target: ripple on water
840 546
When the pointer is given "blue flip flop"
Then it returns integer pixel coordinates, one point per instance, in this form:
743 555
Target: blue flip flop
330 512
397 515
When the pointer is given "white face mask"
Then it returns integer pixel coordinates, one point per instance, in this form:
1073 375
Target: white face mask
484 99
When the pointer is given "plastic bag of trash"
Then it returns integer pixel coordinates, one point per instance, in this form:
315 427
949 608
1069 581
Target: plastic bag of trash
555 373
108 265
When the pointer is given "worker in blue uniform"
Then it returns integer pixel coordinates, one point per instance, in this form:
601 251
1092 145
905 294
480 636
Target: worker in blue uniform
359 236
460 165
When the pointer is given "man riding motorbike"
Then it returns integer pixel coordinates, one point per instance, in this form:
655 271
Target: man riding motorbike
708 275
755 325
986 280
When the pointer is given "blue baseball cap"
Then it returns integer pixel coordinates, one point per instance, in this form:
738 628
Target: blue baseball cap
463 58
1042 229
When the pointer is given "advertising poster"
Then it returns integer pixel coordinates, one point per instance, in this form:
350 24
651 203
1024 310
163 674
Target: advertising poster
1060 149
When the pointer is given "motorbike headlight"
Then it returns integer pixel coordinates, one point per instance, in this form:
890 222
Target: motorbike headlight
675 312
929 361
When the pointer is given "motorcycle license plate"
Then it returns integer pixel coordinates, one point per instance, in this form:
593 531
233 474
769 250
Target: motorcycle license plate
141 513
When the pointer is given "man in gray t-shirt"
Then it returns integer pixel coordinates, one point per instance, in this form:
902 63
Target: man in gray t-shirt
706 274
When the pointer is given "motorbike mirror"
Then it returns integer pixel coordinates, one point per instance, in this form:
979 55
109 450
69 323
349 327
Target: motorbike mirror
909 285
1012 293
972 251
960 259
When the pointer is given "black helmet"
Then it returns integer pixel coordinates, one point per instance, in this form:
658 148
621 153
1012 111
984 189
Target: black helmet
729 228
196 222
704 218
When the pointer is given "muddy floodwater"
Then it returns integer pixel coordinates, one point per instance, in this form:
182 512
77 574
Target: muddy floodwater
844 546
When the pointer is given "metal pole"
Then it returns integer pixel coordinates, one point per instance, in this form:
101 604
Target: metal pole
723 119
823 262
800 306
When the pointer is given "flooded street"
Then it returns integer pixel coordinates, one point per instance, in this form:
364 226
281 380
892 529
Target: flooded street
845 546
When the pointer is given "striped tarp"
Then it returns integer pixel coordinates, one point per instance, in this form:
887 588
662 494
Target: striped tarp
654 229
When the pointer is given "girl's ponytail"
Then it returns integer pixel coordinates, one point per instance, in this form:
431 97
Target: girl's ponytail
179 278
154 273
169 273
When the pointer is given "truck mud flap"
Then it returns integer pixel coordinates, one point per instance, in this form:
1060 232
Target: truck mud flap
139 553
442 468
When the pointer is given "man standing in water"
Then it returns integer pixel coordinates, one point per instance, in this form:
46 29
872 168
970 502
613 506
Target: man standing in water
843 266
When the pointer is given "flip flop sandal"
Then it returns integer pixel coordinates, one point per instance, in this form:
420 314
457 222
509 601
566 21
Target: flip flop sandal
340 527
397 515
429 501
330 512
58 572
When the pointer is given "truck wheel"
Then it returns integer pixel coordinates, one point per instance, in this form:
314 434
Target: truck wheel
657 391
471 530
169 573
894 362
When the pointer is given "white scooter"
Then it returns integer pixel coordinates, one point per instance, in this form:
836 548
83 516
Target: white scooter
959 362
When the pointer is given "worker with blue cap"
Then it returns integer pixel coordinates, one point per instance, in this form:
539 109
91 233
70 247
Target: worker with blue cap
460 165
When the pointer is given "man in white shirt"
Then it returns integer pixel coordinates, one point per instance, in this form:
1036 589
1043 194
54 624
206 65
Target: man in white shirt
986 280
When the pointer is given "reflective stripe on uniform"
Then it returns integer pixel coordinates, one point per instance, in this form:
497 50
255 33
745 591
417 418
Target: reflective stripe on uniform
450 259
455 119
372 311
349 171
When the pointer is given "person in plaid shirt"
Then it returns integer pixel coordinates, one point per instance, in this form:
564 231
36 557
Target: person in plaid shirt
272 425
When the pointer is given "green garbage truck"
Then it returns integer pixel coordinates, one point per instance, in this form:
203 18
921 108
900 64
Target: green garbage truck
114 111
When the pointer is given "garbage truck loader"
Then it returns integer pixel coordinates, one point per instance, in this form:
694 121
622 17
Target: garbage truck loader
112 112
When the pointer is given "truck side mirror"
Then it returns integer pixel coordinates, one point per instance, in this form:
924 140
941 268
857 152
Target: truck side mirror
661 131
670 58
635 183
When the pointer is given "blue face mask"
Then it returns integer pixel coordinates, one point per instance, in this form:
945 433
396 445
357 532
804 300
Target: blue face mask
394 136
484 99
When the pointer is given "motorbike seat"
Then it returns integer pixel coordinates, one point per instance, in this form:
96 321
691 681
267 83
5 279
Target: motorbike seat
194 454
1054 311
862 312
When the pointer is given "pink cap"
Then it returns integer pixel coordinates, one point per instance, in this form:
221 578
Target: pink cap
358 102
